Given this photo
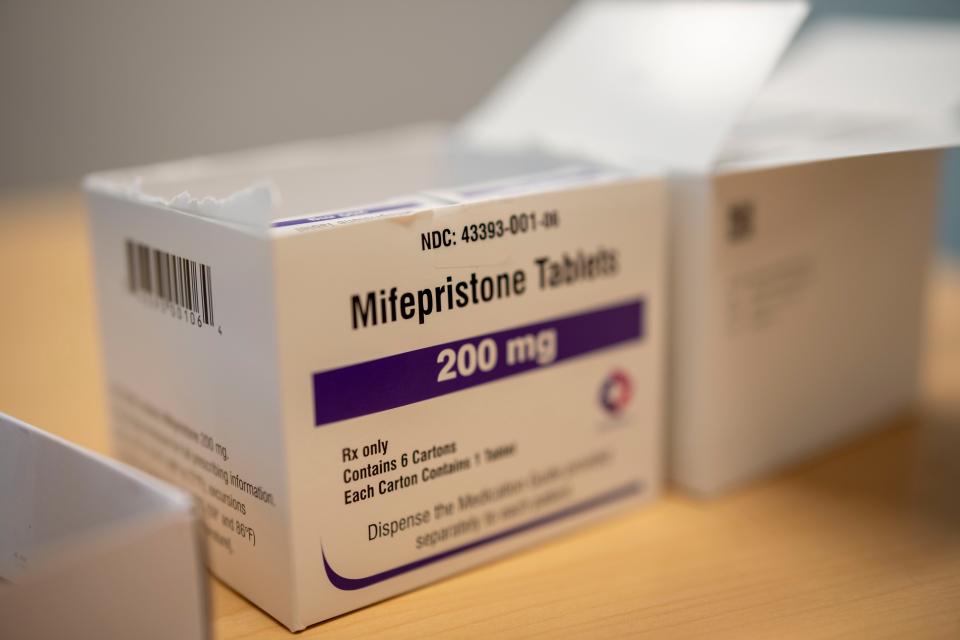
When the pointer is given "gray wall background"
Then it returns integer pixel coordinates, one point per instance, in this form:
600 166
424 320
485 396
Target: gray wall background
100 84
97 84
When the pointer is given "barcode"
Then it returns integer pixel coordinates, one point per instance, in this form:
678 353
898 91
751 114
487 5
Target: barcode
178 281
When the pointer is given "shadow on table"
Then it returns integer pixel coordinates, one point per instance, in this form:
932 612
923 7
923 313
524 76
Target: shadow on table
905 478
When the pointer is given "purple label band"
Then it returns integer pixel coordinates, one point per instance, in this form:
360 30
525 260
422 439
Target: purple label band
351 213
351 584
406 378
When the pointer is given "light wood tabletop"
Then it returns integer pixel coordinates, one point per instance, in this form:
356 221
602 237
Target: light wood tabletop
863 542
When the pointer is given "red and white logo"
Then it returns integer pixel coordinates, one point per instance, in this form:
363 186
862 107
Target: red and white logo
616 391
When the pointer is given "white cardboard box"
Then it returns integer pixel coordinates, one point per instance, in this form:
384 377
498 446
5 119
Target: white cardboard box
801 203
368 397
90 548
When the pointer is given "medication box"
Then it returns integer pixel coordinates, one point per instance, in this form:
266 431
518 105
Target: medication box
803 187
370 377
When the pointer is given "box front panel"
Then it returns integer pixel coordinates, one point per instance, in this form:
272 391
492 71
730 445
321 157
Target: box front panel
461 382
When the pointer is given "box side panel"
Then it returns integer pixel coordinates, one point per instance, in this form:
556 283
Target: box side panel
816 291
188 338
518 407
691 300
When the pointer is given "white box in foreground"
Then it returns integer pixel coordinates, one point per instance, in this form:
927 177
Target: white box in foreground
802 196
90 548
367 400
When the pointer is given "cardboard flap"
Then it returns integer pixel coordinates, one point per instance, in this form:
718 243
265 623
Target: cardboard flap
627 82
798 138
253 187
91 548
872 65
61 494
854 86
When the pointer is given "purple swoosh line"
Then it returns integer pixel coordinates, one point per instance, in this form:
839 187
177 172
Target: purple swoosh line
351 584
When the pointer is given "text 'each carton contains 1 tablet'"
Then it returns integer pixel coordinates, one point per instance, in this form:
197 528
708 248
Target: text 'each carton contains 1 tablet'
802 196
367 397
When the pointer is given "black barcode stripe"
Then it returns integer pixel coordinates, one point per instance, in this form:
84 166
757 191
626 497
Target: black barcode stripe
178 280
158 271
183 283
207 280
193 284
210 292
144 256
166 276
178 274
203 291
147 280
131 269
135 270
186 283
171 278
196 288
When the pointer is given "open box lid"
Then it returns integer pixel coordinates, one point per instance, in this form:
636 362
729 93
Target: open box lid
681 86
697 86
92 548
320 183
854 86
641 86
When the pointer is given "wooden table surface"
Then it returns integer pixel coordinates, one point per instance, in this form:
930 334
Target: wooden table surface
861 543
